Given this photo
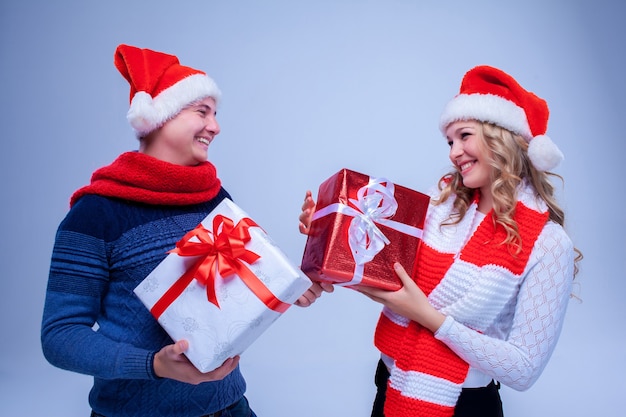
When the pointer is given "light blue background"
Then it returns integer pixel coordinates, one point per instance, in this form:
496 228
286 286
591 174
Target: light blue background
309 88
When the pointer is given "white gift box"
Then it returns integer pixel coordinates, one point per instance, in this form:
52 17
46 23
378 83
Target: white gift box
218 333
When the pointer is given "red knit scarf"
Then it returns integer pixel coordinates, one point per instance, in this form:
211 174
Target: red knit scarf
138 177
414 348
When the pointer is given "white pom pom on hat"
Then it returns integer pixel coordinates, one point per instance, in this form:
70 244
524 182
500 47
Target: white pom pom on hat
490 95
159 86
544 154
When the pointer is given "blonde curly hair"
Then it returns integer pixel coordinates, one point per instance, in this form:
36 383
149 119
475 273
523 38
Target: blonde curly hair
507 153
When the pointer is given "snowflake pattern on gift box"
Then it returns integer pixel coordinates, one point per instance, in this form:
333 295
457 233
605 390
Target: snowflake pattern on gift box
255 323
271 242
190 324
275 282
223 292
223 350
262 275
150 284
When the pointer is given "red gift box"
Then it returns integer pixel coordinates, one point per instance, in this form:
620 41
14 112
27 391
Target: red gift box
361 226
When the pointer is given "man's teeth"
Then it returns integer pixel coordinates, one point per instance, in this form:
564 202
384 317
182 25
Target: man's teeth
203 140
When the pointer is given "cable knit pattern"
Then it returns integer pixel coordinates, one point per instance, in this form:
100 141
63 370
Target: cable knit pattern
94 324
139 177
516 348
485 292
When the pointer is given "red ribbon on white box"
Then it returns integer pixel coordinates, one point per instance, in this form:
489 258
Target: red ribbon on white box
220 252
375 203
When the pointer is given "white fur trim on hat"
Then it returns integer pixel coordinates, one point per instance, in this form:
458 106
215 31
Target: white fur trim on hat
544 154
486 108
146 113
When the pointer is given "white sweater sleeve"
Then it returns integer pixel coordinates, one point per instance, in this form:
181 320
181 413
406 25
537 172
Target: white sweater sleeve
538 317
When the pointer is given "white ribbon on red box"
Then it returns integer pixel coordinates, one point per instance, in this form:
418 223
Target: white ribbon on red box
375 203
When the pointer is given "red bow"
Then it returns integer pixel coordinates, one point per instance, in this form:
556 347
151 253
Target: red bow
223 251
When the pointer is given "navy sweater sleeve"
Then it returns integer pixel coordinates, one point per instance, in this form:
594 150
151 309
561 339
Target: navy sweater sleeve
78 283
94 324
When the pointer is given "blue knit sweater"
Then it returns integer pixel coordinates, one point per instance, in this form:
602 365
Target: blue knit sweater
94 324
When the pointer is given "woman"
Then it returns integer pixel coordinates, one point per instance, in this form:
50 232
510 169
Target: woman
495 269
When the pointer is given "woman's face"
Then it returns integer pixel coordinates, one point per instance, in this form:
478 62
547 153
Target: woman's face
469 155
185 139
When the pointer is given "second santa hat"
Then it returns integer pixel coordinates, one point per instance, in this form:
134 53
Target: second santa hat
490 95
160 87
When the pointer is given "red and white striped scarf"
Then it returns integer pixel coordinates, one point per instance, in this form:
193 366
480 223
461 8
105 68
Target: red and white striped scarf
471 282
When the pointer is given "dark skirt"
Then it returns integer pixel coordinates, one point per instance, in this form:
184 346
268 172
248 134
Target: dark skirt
473 402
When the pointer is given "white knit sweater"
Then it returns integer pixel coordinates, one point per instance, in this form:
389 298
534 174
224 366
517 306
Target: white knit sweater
529 310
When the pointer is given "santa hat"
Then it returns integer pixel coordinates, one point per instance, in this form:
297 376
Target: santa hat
159 86
490 95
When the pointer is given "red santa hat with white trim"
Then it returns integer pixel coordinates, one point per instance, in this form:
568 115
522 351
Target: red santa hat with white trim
490 95
160 87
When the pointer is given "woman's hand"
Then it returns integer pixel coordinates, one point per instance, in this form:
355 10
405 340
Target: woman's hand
170 362
409 301
313 293
308 208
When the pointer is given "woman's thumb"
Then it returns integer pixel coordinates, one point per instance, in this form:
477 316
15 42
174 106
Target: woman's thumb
401 273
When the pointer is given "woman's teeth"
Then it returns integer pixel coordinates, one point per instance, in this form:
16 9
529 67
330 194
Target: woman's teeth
466 166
